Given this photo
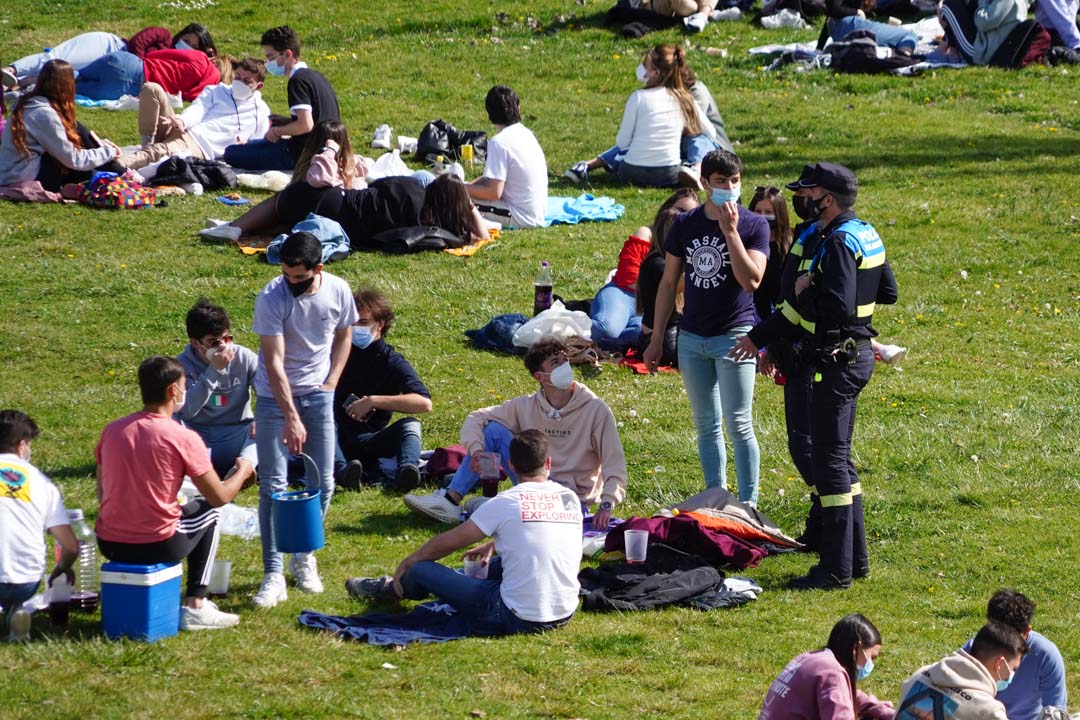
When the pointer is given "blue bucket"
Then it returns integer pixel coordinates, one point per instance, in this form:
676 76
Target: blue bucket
296 518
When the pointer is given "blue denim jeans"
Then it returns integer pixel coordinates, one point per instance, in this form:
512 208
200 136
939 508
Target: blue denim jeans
317 414
400 440
887 35
78 52
227 443
614 161
497 438
694 149
478 601
720 387
260 155
12 595
110 76
615 322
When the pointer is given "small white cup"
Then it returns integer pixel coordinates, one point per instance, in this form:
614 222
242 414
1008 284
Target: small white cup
637 545
476 569
219 577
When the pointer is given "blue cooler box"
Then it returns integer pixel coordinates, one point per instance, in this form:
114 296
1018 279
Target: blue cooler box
140 601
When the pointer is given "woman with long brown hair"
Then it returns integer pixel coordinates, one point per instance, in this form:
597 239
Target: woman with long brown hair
769 203
655 121
45 142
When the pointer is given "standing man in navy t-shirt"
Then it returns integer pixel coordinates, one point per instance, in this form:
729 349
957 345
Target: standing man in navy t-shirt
721 248
311 100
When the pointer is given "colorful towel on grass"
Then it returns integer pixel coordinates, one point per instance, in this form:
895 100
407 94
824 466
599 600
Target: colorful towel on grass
432 622
585 207
632 359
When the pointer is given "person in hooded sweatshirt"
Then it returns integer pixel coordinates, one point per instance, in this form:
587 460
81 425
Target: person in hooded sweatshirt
964 685
586 453
822 684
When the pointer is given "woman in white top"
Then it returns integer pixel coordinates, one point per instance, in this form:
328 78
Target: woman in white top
655 121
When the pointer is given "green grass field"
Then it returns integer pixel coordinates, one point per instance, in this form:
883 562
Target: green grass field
968 456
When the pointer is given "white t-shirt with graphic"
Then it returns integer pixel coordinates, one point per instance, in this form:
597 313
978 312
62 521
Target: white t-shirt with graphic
537 531
29 505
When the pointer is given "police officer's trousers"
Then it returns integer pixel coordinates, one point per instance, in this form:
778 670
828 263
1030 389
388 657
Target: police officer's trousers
799 419
834 397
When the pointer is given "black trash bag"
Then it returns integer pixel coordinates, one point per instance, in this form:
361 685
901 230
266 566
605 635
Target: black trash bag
441 138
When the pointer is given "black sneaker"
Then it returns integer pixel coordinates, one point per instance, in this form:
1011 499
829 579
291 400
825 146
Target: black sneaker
407 479
818 579
380 588
860 573
350 476
578 173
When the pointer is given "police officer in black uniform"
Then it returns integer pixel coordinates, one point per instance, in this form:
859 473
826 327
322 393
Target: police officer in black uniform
847 277
789 340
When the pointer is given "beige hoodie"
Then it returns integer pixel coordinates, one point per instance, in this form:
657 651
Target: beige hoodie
586 453
967 686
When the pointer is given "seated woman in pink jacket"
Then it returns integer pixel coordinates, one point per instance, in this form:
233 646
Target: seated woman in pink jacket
821 685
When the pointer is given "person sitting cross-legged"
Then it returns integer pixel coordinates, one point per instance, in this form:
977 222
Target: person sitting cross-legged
532 558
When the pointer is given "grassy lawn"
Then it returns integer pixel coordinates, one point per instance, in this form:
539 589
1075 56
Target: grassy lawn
968 455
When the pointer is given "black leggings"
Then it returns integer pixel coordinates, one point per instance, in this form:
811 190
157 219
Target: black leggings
196 539
52 175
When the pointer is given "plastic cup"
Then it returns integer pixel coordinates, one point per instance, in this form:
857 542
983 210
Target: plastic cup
476 569
467 153
59 603
219 578
489 472
637 545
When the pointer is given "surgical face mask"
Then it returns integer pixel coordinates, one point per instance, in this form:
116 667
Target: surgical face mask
864 672
1002 684
212 351
562 377
361 336
29 452
642 74
724 195
241 91
276 67
299 288
181 400
771 219
181 45
801 205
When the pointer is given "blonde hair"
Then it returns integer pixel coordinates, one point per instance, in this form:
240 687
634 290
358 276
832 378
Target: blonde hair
226 65
669 62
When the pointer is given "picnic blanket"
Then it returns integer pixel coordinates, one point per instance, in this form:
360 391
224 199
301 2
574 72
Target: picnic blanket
585 207
431 622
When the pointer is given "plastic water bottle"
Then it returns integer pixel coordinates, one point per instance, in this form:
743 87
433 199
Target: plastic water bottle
48 53
542 289
84 594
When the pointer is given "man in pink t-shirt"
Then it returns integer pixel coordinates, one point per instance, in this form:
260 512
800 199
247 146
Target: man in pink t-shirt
142 460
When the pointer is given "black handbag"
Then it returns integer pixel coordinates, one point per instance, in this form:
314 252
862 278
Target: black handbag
415 238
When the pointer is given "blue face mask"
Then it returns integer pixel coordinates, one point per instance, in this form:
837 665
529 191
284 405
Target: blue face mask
275 67
181 45
864 672
1002 684
361 336
723 195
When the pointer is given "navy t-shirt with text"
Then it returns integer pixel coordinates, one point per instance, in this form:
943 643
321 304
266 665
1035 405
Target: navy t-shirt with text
714 301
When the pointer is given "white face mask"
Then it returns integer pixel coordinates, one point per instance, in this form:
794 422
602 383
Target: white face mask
212 351
28 453
642 74
181 400
562 377
241 91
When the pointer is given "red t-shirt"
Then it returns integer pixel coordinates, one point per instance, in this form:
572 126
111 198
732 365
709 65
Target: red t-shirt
180 71
633 252
142 460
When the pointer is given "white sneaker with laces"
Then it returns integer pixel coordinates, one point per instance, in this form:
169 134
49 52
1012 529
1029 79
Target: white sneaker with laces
206 617
305 570
271 591
435 506
696 23
222 232
19 626
382 136
891 354
690 176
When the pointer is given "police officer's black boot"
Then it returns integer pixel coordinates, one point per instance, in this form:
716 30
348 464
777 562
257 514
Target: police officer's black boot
832 573
860 556
811 537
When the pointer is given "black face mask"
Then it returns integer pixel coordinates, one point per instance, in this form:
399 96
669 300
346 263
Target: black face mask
299 288
800 205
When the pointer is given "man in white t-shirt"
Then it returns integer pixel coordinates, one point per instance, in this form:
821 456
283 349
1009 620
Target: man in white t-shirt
514 188
532 559
304 321
30 505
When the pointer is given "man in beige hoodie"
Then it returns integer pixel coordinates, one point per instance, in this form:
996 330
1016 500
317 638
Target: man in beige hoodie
963 685
586 453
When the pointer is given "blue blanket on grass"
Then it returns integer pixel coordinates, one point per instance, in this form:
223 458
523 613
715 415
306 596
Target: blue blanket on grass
431 622
571 211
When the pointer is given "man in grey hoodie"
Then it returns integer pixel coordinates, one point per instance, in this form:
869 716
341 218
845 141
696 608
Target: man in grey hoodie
218 400
963 686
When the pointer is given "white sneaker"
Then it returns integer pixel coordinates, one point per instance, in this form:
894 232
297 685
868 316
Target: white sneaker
271 591
731 13
19 626
696 22
214 222
305 570
690 176
473 504
456 170
435 506
229 233
207 617
382 136
891 354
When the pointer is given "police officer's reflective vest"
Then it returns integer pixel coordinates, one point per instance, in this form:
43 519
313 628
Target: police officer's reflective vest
799 250
865 244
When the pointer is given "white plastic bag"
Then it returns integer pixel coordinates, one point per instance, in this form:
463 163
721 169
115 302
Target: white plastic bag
388 165
556 322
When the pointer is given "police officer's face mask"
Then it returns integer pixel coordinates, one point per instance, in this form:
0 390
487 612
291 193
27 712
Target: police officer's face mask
799 205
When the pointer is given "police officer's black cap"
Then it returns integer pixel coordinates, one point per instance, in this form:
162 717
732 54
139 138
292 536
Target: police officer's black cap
834 178
807 173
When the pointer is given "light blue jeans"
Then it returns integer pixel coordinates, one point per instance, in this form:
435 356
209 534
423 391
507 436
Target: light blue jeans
317 413
111 76
227 443
719 387
615 322
79 52
887 35
497 438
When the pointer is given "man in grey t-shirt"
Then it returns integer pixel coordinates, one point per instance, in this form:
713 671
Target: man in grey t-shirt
218 401
304 320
